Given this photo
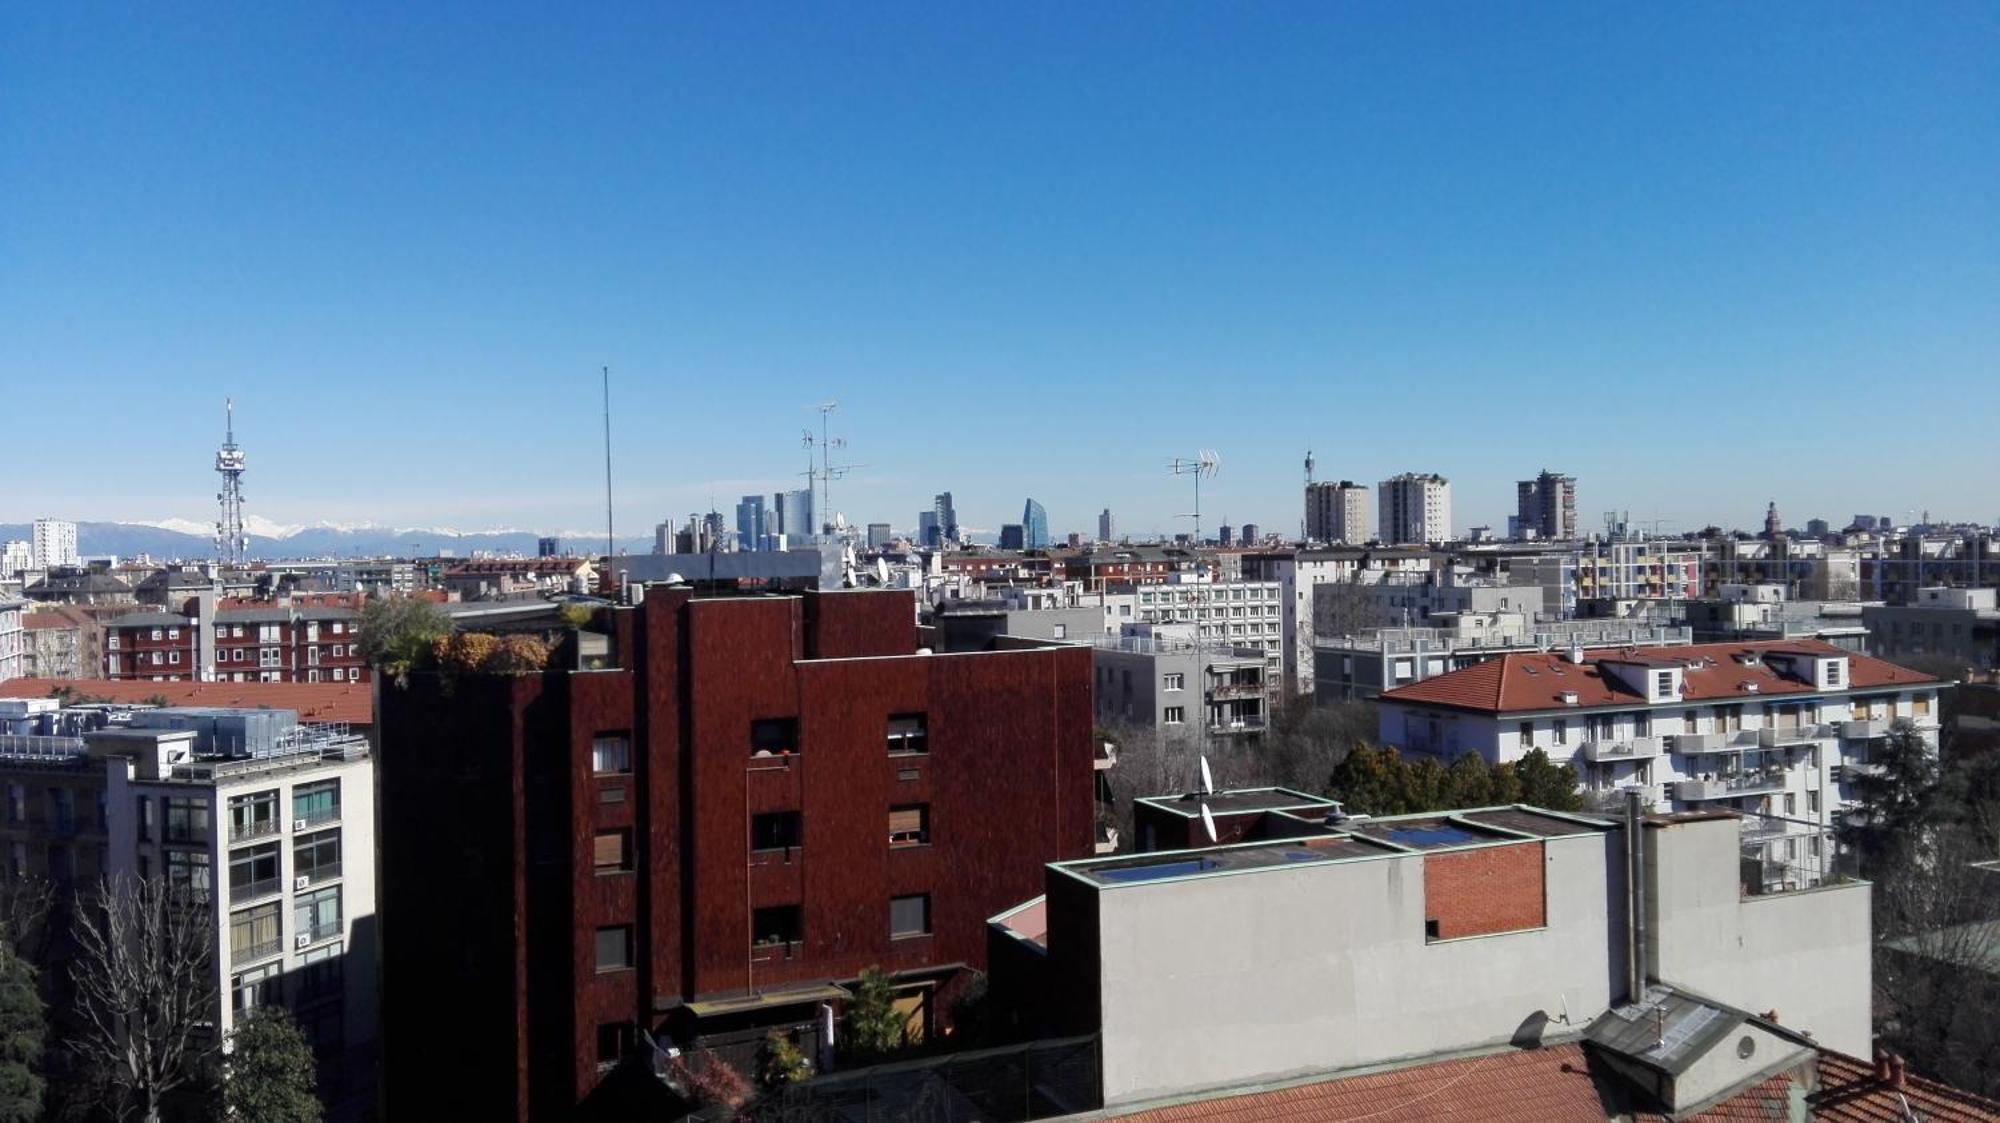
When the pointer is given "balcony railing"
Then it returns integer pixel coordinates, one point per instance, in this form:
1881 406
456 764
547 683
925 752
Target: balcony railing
1234 727
325 871
268 886
1227 690
323 815
243 832
1621 748
1772 736
1687 743
1730 786
256 951
1861 729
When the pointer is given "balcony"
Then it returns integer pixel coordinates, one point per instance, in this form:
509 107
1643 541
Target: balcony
240 956
1700 742
244 832
1862 729
1235 727
252 890
1225 691
1774 736
324 872
1730 786
1600 749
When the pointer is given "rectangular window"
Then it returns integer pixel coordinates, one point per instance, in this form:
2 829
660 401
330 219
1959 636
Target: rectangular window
253 871
187 819
256 987
321 973
614 948
255 933
773 736
316 915
1560 731
909 733
1812 802
614 1041
317 802
910 916
610 754
776 830
910 825
1173 682
612 851
779 924
1527 734
1174 715
253 816
316 857
190 871
1921 705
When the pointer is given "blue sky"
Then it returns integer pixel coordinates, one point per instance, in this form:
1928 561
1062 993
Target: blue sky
1699 256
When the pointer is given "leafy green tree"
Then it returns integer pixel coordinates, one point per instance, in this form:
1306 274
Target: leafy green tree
874 1026
1545 783
1368 782
1469 782
268 1072
1503 784
1423 785
24 1031
1894 799
396 633
780 1061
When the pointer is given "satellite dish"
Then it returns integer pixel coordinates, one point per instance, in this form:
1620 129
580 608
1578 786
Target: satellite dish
882 570
1208 823
1207 777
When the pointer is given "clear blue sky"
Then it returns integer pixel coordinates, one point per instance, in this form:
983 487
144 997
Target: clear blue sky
1699 256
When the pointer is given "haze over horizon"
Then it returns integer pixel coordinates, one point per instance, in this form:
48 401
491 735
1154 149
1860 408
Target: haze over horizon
1700 258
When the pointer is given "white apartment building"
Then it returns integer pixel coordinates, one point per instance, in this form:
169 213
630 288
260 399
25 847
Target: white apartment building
1774 728
1237 613
1298 573
16 556
1337 513
55 544
1415 508
13 639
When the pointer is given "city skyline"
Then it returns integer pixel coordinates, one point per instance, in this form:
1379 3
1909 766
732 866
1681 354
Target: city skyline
1413 241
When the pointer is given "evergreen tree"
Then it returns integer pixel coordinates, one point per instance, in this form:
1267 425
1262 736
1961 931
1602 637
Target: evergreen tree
268 1074
1547 784
1894 805
1368 781
1423 785
1469 782
1503 784
24 1028
874 1026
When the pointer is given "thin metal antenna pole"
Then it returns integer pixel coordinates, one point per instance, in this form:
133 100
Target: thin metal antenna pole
610 549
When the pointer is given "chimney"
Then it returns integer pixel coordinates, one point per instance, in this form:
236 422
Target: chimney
1896 1074
1881 1065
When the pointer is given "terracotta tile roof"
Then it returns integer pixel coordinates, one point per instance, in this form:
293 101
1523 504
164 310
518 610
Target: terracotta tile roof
1533 681
1557 1085
353 703
56 619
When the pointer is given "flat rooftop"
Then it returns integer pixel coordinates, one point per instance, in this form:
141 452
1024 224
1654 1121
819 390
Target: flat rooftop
1350 840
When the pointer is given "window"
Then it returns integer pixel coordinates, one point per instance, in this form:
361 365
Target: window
910 916
316 857
1060 631
253 816
174 657
1833 672
316 915
614 1041
1174 715
173 633
156 659
321 973
255 987
612 851
1642 725
1920 706
772 736
775 830
780 924
157 634
1527 734
910 825
1812 802
614 948
187 819
317 802
610 754
190 871
1560 731
909 733
1173 682
253 871
255 933
340 674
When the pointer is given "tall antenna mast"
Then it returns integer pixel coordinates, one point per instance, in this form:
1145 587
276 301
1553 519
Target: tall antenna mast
1205 463
827 471
232 545
610 549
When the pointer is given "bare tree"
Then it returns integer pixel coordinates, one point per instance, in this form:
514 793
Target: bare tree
1346 608
146 989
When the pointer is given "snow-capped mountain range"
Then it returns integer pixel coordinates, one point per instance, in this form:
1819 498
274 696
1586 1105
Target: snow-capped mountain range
189 539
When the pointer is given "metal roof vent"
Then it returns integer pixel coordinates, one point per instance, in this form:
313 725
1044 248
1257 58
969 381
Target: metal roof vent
1749 687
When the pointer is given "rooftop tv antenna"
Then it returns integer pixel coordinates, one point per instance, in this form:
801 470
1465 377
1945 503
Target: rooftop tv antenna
1204 463
232 545
828 471
610 550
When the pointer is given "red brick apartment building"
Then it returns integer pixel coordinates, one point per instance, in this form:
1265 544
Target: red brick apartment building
763 797
305 639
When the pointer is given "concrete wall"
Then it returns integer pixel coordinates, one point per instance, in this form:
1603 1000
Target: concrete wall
1803 954
1232 978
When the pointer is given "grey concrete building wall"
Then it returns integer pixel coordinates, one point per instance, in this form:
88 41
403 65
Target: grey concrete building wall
1081 625
1233 978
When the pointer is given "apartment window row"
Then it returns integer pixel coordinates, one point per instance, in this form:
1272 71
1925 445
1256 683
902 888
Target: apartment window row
909 824
777 929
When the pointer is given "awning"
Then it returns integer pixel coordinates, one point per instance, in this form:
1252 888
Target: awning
767 1000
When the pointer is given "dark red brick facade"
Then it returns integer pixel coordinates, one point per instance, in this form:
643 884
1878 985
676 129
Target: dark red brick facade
490 811
1479 892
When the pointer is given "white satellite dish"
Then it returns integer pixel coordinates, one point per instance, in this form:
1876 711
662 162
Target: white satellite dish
1207 777
1208 823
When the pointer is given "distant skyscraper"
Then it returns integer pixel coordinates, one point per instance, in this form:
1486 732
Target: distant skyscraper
55 544
1224 536
750 518
1011 536
1337 512
947 516
1415 508
1774 527
1250 534
795 516
1107 530
1035 526
1547 506
880 534
548 547
928 532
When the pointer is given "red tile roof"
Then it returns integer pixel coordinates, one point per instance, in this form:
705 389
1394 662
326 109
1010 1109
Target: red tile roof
1556 1085
353 703
1537 680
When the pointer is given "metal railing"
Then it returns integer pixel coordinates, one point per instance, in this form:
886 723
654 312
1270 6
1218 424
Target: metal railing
1545 637
243 832
37 749
264 888
1730 785
1783 855
256 951
1621 748
325 871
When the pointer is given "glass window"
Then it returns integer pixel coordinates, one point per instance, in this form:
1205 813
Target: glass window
611 754
1175 715
321 972
252 816
909 733
187 819
771 736
256 987
316 856
910 916
612 852
317 802
316 915
781 924
910 825
775 830
191 871
614 948
255 932
253 871
614 1041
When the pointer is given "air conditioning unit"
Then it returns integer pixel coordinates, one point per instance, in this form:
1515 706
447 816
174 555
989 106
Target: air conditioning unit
301 882
301 940
298 824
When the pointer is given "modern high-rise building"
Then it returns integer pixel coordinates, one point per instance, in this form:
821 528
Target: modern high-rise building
1251 533
55 544
1035 526
947 516
1337 513
880 534
750 519
1415 508
1107 529
1546 506
795 516
16 556
928 532
1013 537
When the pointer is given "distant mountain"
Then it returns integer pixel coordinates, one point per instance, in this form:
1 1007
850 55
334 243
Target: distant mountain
182 540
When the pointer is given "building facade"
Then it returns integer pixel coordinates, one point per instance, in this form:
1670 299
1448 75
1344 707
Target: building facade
13 638
1162 678
1035 525
55 545
1107 527
1336 514
307 639
1546 507
1415 508
760 798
